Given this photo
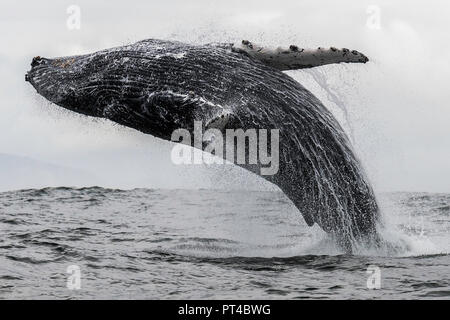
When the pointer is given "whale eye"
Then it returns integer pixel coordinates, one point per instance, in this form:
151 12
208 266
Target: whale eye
220 121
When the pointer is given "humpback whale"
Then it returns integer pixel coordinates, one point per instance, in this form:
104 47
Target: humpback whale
157 86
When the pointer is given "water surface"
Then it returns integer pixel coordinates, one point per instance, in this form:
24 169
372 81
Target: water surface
208 244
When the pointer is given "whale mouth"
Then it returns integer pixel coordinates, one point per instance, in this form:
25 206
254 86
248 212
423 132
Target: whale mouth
58 79
54 78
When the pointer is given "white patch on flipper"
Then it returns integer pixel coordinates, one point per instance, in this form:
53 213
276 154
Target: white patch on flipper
297 58
178 55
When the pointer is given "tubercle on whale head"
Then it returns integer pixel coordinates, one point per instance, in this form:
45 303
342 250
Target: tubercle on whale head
35 62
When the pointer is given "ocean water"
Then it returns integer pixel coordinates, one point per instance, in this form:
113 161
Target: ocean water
211 244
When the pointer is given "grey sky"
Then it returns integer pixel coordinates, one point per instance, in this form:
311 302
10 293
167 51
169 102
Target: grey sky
398 104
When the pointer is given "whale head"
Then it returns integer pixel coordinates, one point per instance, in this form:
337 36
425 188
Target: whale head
59 80
137 92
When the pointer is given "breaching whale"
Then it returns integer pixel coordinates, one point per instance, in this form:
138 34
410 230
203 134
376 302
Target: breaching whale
157 86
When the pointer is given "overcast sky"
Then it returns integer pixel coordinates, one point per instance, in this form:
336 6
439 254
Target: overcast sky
398 104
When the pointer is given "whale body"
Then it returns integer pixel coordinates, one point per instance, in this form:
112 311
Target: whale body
157 86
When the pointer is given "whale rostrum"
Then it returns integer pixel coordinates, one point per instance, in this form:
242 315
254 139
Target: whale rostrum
158 86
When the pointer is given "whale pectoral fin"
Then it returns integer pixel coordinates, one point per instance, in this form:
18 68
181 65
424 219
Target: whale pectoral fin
296 58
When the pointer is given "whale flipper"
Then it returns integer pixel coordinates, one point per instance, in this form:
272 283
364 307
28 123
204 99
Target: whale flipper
293 58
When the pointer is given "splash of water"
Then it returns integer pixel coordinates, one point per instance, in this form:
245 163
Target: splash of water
394 241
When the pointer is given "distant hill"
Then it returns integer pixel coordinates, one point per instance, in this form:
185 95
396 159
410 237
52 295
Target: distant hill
17 172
